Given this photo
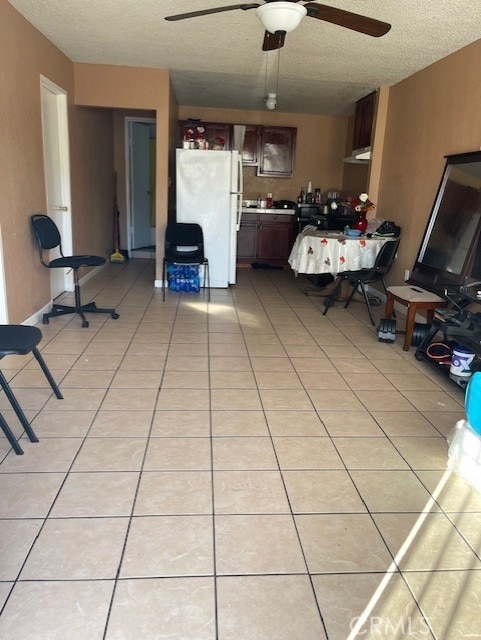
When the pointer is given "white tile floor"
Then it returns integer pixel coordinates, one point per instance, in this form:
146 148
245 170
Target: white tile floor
241 470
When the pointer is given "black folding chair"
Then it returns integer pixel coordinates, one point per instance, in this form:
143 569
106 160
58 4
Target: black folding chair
48 237
362 277
18 339
184 245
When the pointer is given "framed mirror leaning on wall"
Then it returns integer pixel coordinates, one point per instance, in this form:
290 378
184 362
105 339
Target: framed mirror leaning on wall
450 250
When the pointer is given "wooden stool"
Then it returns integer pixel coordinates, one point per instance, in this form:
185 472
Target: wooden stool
414 299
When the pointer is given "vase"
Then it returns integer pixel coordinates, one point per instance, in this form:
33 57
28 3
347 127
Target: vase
361 222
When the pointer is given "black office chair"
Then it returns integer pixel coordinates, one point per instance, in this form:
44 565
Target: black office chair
184 245
17 339
48 237
359 279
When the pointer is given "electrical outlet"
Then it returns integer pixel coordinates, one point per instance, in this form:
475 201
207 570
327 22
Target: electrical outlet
406 275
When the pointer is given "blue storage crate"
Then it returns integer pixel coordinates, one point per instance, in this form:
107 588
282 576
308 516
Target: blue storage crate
183 277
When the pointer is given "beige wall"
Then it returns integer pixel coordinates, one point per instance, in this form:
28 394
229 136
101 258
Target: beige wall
92 180
136 88
431 114
321 141
25 55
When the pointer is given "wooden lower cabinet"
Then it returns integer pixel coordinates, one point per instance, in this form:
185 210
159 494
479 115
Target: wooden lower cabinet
247 239
265 238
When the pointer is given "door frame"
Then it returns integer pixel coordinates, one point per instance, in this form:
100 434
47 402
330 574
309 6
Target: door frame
128 172
3 290
65 226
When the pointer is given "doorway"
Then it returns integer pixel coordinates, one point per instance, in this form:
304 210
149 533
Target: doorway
140 188
57 175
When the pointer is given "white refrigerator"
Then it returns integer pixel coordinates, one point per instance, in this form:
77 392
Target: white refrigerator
209 192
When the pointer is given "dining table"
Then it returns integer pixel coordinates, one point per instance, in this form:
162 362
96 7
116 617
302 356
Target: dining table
316 251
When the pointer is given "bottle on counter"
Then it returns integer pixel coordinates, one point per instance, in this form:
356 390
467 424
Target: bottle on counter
301 199
317 196
309 195
269 201
259 201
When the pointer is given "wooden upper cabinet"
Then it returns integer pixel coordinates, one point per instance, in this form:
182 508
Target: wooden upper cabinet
276 152
219 132
364 121
250 150
214 132
270 149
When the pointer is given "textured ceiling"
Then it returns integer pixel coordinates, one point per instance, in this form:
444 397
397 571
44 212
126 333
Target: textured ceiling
217 61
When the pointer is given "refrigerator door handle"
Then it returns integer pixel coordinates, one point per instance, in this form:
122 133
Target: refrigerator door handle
239 212
239 193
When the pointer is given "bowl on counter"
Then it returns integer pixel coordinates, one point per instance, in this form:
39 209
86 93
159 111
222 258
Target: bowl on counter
354 233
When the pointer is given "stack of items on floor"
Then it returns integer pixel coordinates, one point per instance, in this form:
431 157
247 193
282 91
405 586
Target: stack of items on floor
183 277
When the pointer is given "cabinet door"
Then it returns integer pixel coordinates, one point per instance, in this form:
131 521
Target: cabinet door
214 132
250 150
247 241
218 132
363 121
275 241
277 149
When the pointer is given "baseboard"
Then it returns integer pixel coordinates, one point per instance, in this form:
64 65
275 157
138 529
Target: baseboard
93 272
37 317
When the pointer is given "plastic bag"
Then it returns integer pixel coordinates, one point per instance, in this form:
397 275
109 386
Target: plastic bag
183 277
373 225
464 454
388 228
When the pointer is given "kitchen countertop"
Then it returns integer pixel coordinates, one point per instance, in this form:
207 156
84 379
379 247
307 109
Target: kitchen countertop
271 210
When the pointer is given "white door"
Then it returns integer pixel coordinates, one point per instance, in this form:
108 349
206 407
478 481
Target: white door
57 175
140 185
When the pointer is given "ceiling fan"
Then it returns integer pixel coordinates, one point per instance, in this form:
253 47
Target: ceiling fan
281 16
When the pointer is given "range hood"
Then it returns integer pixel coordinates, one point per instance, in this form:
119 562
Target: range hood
359 156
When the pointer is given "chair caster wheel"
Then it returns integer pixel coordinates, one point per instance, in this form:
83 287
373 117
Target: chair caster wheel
114 316
85 323
45 320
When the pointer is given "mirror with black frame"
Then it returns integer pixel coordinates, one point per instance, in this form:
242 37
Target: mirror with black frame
450 251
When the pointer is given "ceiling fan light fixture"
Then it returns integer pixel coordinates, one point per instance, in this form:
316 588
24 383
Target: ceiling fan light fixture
281 16
271 101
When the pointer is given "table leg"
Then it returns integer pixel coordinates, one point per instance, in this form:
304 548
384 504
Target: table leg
389 307
411 317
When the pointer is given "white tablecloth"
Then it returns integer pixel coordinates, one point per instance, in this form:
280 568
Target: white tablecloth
328 252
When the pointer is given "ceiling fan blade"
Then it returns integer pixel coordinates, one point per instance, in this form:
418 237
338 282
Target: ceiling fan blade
273 40
205 12
354 21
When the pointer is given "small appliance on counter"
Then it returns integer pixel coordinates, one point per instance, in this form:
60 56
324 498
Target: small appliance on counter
334 220
278 207
284 204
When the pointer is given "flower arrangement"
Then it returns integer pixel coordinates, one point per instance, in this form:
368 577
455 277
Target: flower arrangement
199 133
219 143
361 203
